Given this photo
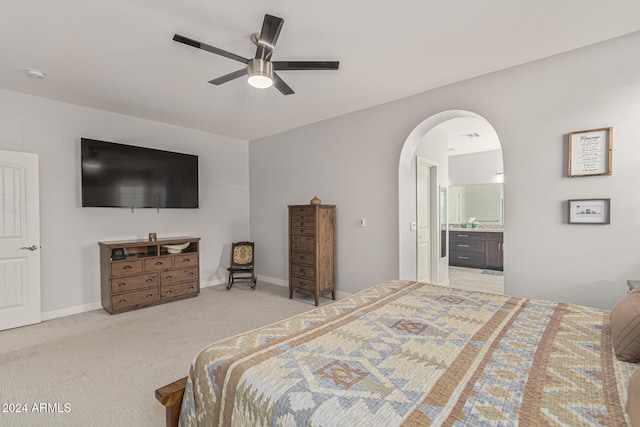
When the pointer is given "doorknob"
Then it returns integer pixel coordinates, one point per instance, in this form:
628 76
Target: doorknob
31 248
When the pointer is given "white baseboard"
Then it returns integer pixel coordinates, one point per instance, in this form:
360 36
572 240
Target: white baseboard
273 280
54 314
215 282
285 283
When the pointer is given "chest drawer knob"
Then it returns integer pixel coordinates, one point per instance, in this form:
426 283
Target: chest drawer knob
122 300
127 267
149 280
169 291
121 284
186 260
191 287
302 271
159 262
191 273
149 295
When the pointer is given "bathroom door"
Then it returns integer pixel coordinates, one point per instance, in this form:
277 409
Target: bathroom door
426 215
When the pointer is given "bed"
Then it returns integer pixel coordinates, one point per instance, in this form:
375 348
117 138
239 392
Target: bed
412 354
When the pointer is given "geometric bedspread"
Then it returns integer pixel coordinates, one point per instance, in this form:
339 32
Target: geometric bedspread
414 354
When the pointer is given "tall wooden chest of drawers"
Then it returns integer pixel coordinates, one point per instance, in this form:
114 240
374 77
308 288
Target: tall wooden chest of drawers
146 273
312 250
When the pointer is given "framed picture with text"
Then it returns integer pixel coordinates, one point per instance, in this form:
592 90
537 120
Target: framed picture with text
590 152
590 211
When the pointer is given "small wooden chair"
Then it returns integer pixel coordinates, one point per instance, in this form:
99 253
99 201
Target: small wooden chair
241 264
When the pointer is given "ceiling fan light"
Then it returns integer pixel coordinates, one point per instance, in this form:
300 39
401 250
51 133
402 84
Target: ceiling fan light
260 73
260 81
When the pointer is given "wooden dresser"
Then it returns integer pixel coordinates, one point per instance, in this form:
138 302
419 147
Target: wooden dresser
312 250
149 274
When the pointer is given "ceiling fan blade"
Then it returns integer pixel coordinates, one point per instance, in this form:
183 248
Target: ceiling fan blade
305 65
209 48
281 85
229 77
268 36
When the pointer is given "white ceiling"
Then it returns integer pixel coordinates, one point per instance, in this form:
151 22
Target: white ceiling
118 55
467 135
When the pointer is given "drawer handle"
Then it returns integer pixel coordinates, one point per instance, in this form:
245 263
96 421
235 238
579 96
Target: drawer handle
149 280
191 273
302 271
463 257
302 230
191 287
122 300
302 257
122 284
463 246
159 263
302 283
169 292
186 260
127 267
169 277
149 295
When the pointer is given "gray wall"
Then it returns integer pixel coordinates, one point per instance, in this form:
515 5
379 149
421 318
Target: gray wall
352 161
70 268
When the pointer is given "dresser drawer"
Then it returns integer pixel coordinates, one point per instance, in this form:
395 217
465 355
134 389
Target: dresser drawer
134 299
302 220
305 271
132 283
157 264
303 210
466 236
182 289
467 246
123 268
466 259
302 284
297 230
303 258
176 276
303 243
185 260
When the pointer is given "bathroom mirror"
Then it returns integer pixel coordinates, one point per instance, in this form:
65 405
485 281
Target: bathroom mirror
482 201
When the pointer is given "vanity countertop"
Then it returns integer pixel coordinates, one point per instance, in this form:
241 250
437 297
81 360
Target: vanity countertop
477 229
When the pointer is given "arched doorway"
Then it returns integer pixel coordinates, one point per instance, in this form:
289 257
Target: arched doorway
424 134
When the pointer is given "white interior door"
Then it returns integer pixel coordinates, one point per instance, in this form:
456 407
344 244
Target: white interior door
423 223
19 240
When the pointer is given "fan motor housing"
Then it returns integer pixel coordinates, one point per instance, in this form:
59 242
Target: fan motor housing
260 73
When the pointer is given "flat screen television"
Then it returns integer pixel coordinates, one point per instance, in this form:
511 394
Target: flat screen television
125 176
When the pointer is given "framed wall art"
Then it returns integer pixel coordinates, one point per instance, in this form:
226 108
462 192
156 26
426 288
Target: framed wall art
590 152
590 211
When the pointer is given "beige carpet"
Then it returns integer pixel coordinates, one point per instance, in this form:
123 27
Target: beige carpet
104 369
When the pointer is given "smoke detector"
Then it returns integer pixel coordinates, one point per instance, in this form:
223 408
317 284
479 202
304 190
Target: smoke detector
35 74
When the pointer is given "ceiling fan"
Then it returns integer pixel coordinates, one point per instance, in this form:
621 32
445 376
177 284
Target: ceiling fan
261 70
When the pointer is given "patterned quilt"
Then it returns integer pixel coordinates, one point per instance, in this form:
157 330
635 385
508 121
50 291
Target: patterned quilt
413 354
